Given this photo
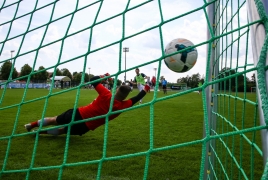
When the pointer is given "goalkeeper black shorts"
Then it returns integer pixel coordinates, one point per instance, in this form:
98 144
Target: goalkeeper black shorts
66 118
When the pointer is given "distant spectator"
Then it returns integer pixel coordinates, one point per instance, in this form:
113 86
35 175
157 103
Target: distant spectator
153 81
164 85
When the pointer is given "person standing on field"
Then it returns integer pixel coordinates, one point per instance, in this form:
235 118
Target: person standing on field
139 80
164 85
153 81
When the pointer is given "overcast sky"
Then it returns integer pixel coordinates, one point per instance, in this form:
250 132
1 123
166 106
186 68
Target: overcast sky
143 48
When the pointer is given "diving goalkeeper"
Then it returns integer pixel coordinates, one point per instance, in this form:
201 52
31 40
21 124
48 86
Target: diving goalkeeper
99 106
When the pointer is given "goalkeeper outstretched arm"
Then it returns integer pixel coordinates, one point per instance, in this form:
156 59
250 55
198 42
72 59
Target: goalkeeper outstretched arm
98 77
142 93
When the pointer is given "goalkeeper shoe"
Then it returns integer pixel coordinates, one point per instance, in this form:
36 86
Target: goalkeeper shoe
28 127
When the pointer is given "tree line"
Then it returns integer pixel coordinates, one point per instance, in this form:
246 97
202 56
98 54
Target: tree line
238 83
42 75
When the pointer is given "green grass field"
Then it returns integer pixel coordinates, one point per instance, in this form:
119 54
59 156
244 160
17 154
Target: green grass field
176 121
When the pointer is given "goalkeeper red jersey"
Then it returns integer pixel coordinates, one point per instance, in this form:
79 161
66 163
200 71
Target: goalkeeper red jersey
100 106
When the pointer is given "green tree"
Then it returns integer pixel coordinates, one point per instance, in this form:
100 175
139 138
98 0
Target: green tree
41 76
25 70
202 80
86 77
34 77
90 76
186 80
58 72
233 83
191 81
77 78
111 82
66 72
6 69
195 79
119 82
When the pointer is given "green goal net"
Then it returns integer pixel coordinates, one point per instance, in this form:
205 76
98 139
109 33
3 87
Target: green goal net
235 126
220 134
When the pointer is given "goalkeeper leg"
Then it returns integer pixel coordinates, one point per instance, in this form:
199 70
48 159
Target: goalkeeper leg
45 122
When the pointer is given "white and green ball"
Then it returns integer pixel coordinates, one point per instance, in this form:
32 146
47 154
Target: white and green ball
183 61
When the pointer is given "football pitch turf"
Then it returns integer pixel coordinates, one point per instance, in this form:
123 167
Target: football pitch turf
175 123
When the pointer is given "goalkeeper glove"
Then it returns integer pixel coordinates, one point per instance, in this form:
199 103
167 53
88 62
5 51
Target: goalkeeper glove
106 74
146 88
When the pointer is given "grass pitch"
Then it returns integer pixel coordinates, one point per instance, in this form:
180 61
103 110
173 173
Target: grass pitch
176 122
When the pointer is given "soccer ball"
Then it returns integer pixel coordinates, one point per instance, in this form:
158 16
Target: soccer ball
182 61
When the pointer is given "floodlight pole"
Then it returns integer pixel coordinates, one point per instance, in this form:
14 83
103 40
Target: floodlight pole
89 71
11 52
155 72
125 50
